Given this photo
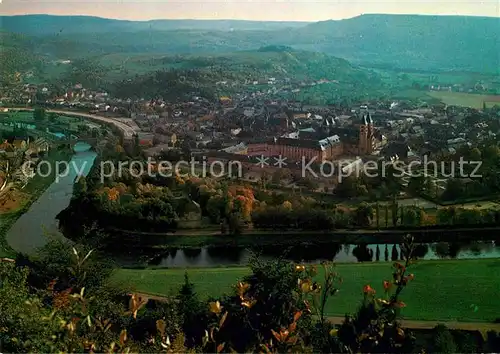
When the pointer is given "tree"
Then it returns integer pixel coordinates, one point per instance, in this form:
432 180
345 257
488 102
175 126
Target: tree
443 341
377 254
475 154
265 177
491 153
454 190
280 176
73 266
418 185
39 114
307 183
362 253
269 301
80 187
386 215
192 312
53 117
214 208
287 205
234 224
364 215
351 187
386 253
394 213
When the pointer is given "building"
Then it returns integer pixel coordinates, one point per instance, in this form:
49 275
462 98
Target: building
325 143
239 149
145 139
20 144
40 145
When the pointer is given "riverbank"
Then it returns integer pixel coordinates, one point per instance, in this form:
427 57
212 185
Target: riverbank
16 205
444 290
28 232
204 238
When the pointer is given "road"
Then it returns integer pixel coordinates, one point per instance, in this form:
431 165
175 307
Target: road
127 131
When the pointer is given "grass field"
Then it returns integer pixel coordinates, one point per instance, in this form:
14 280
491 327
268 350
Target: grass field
442 290
466 99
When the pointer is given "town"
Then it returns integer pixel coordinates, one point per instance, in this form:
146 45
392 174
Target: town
252 126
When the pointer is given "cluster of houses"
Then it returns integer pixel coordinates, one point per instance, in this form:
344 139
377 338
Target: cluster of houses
15 154
254 125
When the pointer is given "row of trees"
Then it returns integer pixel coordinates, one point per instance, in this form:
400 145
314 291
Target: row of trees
467 216
146 207
40 115
279 218
141 208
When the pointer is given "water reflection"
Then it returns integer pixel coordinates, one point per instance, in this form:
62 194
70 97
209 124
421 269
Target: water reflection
313 253
192 252
363 253
232 254
301 253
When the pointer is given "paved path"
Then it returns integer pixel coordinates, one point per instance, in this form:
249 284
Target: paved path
413 324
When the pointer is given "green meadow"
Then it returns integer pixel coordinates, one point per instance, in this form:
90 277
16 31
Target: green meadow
447 290
466 99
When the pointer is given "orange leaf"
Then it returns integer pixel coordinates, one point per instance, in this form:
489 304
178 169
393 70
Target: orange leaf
401 333
223 319
276 335
220 347
284 335
248 303
367 289
297 316
123 337
160 326
215 307
300 268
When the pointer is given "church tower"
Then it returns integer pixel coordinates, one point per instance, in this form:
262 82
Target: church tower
363 135
370 134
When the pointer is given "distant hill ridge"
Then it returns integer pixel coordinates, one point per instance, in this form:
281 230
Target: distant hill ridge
51 24
461 43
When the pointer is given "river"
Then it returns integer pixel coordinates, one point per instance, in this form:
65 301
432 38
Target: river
231 256
31 229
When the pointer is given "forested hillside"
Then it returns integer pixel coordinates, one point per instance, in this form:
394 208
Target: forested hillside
16 57
402 41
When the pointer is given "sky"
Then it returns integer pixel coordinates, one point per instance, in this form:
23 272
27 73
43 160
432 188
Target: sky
269 10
